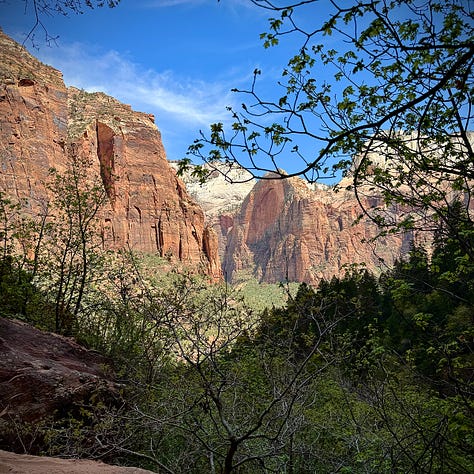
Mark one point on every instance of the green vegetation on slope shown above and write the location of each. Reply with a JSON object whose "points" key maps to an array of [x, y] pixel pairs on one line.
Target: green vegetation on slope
{"points": [[359, 375]]}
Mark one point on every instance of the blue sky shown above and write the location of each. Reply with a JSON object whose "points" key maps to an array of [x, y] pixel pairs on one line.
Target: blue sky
{"points": [[177, 59]]}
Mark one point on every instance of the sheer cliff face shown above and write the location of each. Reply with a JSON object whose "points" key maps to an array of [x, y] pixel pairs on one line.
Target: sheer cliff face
{"points": [[282, 230], [287, 231], [148, 208], [279, 230]]}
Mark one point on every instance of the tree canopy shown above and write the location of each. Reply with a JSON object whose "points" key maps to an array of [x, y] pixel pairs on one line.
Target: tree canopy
{"points": [[370, 79]]}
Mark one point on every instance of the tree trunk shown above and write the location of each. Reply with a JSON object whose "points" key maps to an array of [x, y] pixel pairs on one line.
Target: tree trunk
{"points": [[228, 463]]}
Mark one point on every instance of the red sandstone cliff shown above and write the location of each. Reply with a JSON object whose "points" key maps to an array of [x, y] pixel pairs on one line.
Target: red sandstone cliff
{"points": [[286, 230], [41, 120], [282, 230]]}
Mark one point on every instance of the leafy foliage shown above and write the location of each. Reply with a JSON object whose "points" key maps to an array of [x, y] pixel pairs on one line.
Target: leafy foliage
{"points": [[380, 91], [356, 375]]}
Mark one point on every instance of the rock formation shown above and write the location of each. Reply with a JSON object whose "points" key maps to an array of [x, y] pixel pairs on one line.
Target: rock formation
{"points": [[43, 122], [220, 196], [275, 229], [23, 463], [287, 230], [42, 372], [281, 230]]}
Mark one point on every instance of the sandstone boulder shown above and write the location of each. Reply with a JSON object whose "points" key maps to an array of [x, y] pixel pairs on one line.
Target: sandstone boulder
{"points": [[42, 373], [22, 464]]}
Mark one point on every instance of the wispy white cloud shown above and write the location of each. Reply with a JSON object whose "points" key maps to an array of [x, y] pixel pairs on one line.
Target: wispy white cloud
{"points": [[182, 105], [184, 99]]}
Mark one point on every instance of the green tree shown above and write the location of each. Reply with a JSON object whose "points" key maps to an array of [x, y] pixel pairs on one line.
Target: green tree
{"points": [[453, 248], [21, 238], [381, 90], [11, 275], [223, 402], [71, 254], [401, 376], [429, 309], [341, 308]]}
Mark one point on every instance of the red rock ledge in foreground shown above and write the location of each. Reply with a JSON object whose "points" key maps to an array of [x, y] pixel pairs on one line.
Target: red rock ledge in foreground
{"points": [[21, 463]]}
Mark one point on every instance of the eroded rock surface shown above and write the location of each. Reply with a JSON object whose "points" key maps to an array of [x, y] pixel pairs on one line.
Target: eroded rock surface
{"points": [[42, 373], [42, 123], [22, 464], [220, 196], [289, 231], [276, 230]]}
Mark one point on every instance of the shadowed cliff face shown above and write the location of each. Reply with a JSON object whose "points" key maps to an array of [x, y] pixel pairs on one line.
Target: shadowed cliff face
{"points": [[42, 372], [41, 120], [105, 153], [263, 210], [287, 231]]}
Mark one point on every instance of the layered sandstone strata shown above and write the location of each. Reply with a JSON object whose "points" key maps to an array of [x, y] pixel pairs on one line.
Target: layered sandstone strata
{"points": [[287, 230], [42, 121]]}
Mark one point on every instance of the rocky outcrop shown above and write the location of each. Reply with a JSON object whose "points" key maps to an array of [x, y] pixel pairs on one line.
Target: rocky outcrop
{"points": [[220, 196], [43, 122], [42, 373], [276, 229], [22, 463], [287, 230]]}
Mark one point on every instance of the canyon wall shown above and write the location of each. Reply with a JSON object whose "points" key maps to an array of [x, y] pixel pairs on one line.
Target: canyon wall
{"points": [[275, 230], [287, 230], [43, 122]]}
